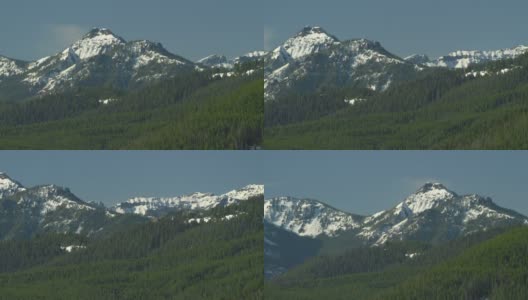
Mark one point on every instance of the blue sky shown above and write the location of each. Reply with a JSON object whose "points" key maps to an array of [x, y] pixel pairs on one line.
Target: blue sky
{"points": [[192, 28], [406, 26], [361, 182], [196, 28]]}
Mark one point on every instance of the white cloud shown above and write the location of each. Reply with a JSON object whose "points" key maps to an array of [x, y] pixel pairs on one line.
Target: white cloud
{"points": [[65, 34], [268, 38], [56, 37]]}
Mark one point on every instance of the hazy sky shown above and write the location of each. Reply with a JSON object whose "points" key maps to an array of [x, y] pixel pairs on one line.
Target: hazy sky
{"points": [[361, 182], [406, 26], [192, 28]]}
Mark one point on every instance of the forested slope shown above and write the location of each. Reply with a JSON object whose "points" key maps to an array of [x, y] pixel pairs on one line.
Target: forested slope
{"points": [[170, 258], [490, 265], [190, 111], [445, 109]]}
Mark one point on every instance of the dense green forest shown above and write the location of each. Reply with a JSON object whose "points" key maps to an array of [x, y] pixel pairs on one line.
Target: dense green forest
{"points": [[488, 265], [443, 109], [167, 258], [190, 111]]}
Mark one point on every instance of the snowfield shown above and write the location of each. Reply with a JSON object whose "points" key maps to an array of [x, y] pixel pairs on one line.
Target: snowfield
{"points": [[196, 201], [408, 218]]}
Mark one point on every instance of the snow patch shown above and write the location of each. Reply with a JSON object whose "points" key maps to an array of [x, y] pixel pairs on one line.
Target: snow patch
{"points": [[412, 255], [72, 248], [354, 101], [107, 101]]}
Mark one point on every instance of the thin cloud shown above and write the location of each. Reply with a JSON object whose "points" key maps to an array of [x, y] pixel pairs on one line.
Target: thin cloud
{"points": [[268, 38], [60, 36]]}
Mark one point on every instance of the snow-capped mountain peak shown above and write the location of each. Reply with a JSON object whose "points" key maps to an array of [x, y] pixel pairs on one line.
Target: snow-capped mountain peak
{"points": [[156, 206], [314, 31], [462, 59], [426, 197], [314, 56], [46, 208], [246, 192], [101, 57], [221, 61], [96, 42], [308, 41], [432, 212], [431, 186], [9, 67], [9, 186], [51, 198], [432, 209], [97, 32], [307, 217]]}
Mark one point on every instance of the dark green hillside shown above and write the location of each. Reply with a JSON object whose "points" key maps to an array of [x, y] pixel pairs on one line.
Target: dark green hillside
{"points": [[495, 269], [490, 265], [164, 259], [443, 110], [191, 111]]}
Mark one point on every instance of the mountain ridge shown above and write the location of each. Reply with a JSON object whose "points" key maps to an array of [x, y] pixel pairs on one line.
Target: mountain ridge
{"points": [[470, 211], [432, 214], [99, 58], [153, 206], [25, 212], [313, 58]]}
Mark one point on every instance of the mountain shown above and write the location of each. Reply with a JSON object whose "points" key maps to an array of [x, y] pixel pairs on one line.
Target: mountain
{"points": [[10, 67], [355, 94], [417, 59], [220, 61], [217, 61], [26, 212], [462, 59], [155, 207], [99, 58], [445, 109], [8, 186], [103, 92], [314, 58], [306, 217], [166, 258], [432, 213]]}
